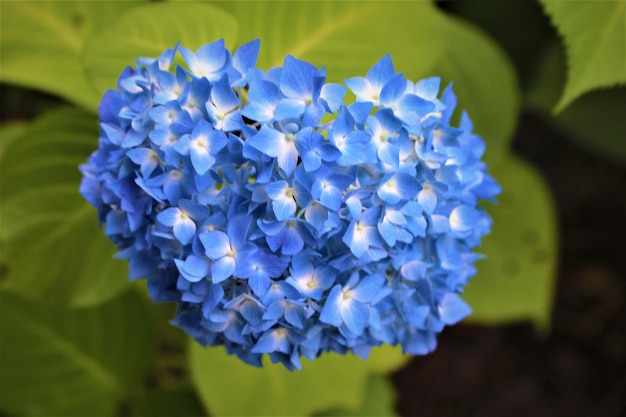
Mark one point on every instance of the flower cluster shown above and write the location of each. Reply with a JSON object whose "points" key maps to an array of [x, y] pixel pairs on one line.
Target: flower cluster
{"points": [[282, 220]]}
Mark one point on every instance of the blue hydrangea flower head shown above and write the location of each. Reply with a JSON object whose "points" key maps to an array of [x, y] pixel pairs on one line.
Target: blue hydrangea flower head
{"points": [[282, 220]]}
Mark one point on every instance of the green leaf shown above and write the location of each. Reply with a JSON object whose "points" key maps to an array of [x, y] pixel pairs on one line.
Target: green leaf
{"points": [[54, 249], [379, 400], [594, 35], [72, 363], [167, 403], [148, 31], [42, 44], [517, 279], [228, 386], [8, 133], [349, 37], [595, 120]]}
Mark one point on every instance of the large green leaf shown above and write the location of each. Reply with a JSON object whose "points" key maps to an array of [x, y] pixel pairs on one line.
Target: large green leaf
{"points": [[167, 403], [149, 30], [54, 249], [8, 133], [349, 37], [72, 363], [379, 400], [227, 386], [517, 279], [594, 35], [595, 120], [42, 44]]}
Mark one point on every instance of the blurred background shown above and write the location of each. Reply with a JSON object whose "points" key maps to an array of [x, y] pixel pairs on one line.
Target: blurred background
{"points": [[569, 360]]}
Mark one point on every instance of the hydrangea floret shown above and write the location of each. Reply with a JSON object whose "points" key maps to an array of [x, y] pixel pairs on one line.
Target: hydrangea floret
{"points": [[281, 219]]}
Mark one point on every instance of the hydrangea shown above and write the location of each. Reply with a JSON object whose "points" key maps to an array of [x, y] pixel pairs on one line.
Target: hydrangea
{"points": [[281, 219]]}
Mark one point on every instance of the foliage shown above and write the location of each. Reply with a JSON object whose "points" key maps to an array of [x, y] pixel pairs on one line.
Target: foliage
{"points": [[78, 340], [595, 40]]}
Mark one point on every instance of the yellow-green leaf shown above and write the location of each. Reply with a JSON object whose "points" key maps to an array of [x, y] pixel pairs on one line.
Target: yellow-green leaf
{"points": [[595, 40], [72, 363], [149, 30], [516, 281], [228, 386], [42, 44], [52, 245]]}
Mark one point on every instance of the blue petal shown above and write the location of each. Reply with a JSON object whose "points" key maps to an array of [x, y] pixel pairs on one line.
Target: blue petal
{"points": [[296, 80], [368, 288], [184, 230], [267, 141], [388, 231], [355, 315], [169, 216], [259, 283], [222, 269], [428, 88], [330, 313], [201, 159], [333, 94], [359, 86], [414, 270], [463, 218], [289, 109], [453, 309], [296, 316], [393, 90], [398, 187], [195, 266], [246, 55], [381, 72], [427, 199], [216, 244]]}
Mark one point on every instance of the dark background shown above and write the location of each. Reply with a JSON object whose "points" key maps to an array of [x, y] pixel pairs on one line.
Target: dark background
{"points": [[578, 368]]}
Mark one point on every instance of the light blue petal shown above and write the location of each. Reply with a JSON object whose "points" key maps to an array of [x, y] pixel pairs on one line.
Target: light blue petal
{"points": [[288, 108], [355, 207], [463, 218], [222, 269], [169, 216], [258, 112], [284, 208], [316, 215], [414, 270], [330, 313], [259, 282], [355, 315], [196, 267], [427, 199], [216, 244], [388, 231], [296, 79], [288, 157], [201, 159], [453, 309], [359, 86], [369, 287], [296, 316], [393, 90], [292, 242], [428, 88], [381, 72], [246, 55], [333, 94], [184, 230], [267, 141]]}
